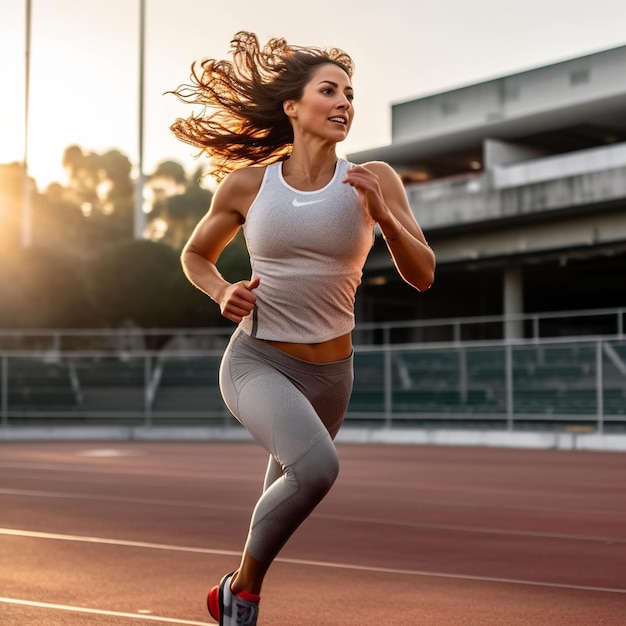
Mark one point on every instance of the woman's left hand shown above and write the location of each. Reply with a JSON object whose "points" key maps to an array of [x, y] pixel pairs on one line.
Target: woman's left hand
{"points": [[383, 196], [369, 191]]}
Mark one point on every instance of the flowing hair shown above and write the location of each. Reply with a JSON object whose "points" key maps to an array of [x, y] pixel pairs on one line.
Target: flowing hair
{"points": [[242, 121]]}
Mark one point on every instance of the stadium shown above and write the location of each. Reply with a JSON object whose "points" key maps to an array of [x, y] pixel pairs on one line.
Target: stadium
{"points": [[519, 184], [126, 483]]}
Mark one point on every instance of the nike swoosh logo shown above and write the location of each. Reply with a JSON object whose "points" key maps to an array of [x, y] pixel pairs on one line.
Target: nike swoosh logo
{"points": [[298, 203]]}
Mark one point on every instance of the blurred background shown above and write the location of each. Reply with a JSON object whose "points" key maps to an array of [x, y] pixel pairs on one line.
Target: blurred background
{"points": [[507, 122]]}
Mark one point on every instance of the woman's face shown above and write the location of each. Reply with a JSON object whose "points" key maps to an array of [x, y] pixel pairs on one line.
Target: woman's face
{"points": [[325, 108]]}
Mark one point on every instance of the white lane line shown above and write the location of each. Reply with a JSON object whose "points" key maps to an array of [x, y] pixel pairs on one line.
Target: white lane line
{"points": [[340, 518], [475, 529], [31, 493], [80, 609], [115, 542], [108, 452], [114, 470], [326, 564]]}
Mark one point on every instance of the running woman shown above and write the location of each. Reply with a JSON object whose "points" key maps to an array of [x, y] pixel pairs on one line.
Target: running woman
{"points": [[270, 121]]}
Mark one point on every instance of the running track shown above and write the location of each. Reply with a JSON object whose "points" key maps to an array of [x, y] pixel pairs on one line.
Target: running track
{"points": [[134, 533]]}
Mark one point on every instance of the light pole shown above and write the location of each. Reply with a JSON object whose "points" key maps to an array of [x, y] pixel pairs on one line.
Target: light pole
{"points": [[140, 216], [27, 198]]}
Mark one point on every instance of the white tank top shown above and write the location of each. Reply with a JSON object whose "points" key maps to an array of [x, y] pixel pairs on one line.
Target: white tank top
{"points": [[308, 248]]}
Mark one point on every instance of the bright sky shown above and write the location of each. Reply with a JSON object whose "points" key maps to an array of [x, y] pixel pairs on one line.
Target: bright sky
{"points": [[84, 60]]}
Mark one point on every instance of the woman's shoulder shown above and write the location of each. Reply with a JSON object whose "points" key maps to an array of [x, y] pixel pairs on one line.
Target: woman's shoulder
{"points": [[239, 188], [245, 177], [390, 181], [387, 176], [242, 182], [380, 168]]}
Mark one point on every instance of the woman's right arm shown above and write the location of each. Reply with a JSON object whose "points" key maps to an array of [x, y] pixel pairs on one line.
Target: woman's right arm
{"points": [[212, 234]]}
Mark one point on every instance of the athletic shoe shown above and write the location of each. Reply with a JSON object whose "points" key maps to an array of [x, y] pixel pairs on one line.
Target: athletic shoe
{"points": [[227, 609], [215, 599]]}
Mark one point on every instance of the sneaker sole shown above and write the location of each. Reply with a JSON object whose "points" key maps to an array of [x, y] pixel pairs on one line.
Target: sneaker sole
{"points": [[220, 595]]}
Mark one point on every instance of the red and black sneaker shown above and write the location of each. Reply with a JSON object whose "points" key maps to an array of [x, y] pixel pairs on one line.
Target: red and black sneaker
{"points": [[215, 599], [228, 609]]}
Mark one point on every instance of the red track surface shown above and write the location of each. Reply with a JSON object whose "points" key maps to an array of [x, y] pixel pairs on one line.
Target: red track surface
{"points": [[124, 534]]}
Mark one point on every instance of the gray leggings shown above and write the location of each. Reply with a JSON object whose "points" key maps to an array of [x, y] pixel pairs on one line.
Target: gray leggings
{"points": [[294, 409]]}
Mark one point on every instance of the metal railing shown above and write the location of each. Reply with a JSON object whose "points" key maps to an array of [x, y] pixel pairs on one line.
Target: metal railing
{"points": [[515, 384], [610, 322], [569, 383]]}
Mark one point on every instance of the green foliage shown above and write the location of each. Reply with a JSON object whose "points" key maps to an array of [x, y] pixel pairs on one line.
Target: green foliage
{"points": [[84, 268], [133, 282], [95, 209], [40, 288], [179, 203], [141, 283], [172, 170]]}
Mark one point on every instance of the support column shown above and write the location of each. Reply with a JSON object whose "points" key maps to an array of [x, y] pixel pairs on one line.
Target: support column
{"points": [[513, 302]]}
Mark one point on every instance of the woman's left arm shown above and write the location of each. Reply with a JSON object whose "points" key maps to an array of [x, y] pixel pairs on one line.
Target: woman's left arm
{"points": [[383, 196]]}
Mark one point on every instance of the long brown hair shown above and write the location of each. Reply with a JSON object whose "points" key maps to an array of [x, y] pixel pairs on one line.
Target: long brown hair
{"points": [[242, 121]]}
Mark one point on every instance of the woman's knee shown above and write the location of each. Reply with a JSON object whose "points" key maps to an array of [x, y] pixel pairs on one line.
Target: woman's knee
{"points": [[317, 471]]}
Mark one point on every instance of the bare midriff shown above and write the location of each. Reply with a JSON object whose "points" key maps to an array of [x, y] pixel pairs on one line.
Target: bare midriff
{"points": [[335, 349]]}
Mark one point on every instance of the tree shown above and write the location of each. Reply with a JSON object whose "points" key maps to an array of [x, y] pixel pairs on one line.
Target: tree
{"points": [[42, 288], [141, 283], [99, 200], [178, 203], [84, 269]]}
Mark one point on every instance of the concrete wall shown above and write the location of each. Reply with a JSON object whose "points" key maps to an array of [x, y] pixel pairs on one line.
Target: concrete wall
{"points": [[507, 173], [489, 197], [585, 84]]}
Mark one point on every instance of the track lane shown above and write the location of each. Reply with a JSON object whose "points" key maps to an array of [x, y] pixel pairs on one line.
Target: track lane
{"points": [[441, 535]]}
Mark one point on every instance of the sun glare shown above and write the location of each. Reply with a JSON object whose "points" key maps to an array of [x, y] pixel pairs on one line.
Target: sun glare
{"points": [[12, 82]]}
